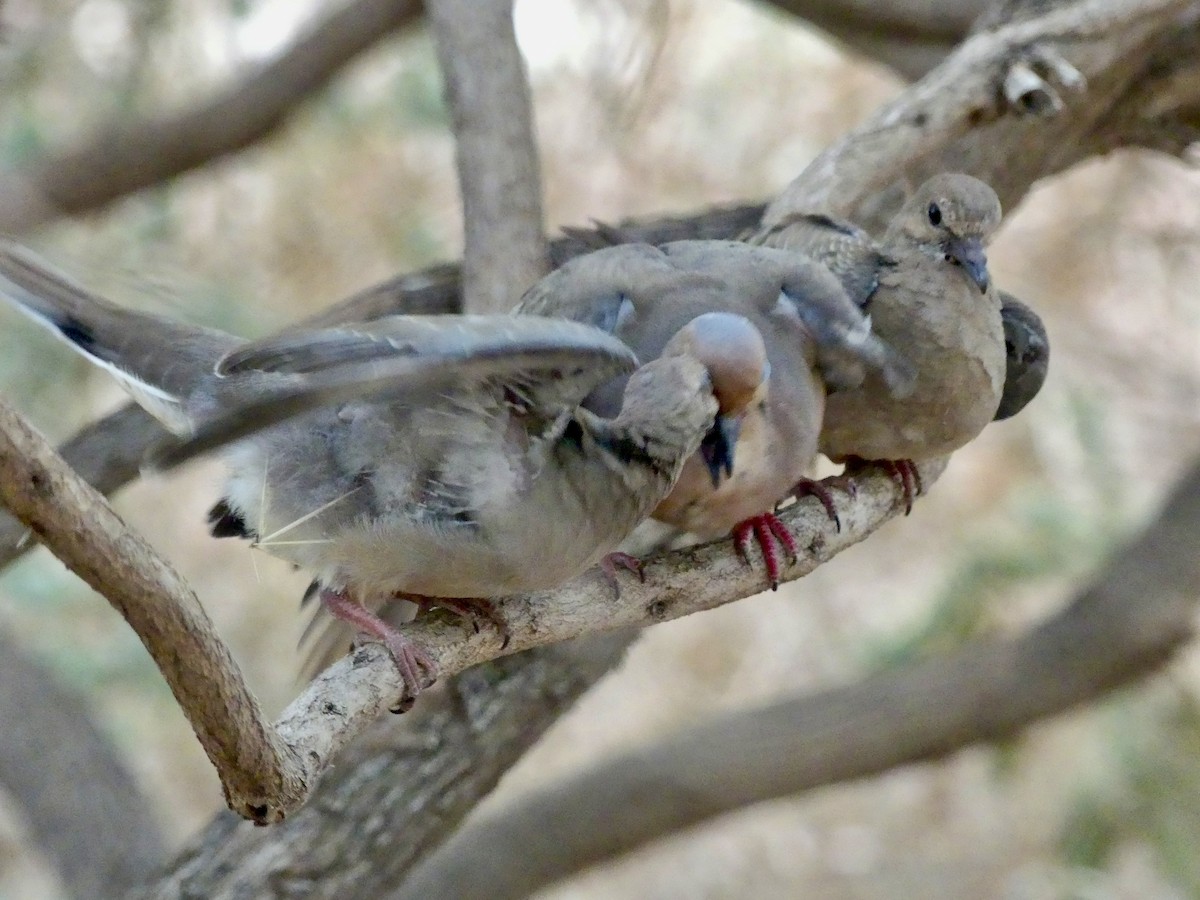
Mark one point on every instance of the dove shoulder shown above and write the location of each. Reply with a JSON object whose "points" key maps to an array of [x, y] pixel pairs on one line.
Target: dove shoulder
{"points": [[855, 258]]}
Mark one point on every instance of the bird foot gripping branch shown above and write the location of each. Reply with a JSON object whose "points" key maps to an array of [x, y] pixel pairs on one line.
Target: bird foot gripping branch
{"points": [[768, 531]]}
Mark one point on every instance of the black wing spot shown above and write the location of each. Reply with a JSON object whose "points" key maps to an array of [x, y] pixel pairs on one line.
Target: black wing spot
{"points": [[78, 334], [574, 434], [224, 522], [310, 593]]}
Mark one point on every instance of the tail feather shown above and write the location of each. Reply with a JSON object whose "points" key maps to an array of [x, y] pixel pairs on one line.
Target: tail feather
{"points": [[161, 363]]}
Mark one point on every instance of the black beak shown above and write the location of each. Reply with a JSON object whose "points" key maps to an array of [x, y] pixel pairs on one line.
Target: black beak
{"points": [[968, 253], [718, 446]]}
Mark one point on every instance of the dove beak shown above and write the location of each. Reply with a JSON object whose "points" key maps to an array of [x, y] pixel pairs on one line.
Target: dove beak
{"points": [[718, 446], [969, 253]]}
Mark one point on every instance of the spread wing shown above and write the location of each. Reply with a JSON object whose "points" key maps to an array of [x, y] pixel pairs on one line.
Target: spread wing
{"points": [[166, 366], [543, 364]]}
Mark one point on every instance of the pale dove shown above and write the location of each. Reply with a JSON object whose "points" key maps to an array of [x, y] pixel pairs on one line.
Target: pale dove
{"points": [[484, 480], [927, 290], [813, 333]]}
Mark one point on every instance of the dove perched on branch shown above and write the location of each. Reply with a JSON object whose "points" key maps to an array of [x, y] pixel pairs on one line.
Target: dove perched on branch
{"points": [[813, 333], [927, 289], [443, 459]]}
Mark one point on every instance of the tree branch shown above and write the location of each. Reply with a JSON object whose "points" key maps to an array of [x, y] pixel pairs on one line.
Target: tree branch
{"points": [[488, 95], [106, 454], [1139, 609], [958, 118], [139, 154], [427, 769], [81, 529]]}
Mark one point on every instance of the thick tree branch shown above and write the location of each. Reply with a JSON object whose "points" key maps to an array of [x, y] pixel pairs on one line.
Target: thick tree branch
{"points": [[498, 174], [80, 528], [958, 118], [106, 454], [139, 154], [427, 770], [1139, 610], [910, 36]]}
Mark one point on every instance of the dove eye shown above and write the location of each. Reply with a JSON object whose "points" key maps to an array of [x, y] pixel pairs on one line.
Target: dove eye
{"points": [[935, 214]]}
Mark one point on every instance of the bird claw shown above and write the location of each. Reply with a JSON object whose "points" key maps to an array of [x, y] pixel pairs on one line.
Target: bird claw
{"points": [[472, 610], [810, 487], [767, 530], [612, 561], [409, 658], [902, 471]]}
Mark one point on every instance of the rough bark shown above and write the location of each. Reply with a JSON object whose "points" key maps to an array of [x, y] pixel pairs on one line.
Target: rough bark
{"points": [[416, 777], [259, 773]]}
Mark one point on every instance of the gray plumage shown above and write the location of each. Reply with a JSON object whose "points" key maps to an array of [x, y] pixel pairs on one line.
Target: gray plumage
{"points": [[926, 286], [811, 330], [466, 470]]}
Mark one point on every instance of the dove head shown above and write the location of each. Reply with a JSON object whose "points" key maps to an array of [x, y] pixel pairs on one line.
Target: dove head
{"points": [[954, 216], [1027, 352], [732, 351]]}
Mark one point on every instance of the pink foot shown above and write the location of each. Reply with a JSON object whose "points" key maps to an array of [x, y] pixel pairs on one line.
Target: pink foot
{"points": [[767, 530], [902, 471], [809, 487], [410, 659], [472, 609], [613, 561]]}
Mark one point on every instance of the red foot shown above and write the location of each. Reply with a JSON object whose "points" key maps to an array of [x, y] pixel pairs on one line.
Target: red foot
{"points": [[410, 659], [902, 471], [473, 609], [767, 530], [809, 487], [612, 561]]}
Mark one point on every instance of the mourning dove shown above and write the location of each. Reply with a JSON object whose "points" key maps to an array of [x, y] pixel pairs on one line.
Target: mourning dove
{"points": [[485, 480], [1027, 356], [927, 290], [812, 330]]}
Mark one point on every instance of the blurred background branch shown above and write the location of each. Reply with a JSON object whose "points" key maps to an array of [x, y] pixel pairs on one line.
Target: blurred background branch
{"points": [[504, 249], [71, 785], [134, 155]]}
